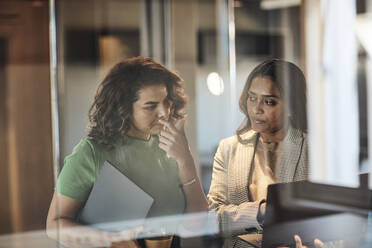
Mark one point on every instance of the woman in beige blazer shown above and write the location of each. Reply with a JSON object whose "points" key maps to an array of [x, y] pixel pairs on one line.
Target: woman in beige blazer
{"points": [[271, 147]]}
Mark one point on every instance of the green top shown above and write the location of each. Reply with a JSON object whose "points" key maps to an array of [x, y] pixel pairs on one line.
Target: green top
{"points": [[141, 161]]}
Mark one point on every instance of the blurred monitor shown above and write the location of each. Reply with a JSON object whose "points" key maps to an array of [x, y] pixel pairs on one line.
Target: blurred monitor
{"points": [[329, 213]]}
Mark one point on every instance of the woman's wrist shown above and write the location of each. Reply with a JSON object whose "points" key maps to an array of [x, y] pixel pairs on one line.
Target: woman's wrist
{"points": [[186, 160], [187, 176], [187, 183]]}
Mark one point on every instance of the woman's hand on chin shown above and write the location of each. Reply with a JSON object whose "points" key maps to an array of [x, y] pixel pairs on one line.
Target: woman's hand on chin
{"points": [[173, 141]]}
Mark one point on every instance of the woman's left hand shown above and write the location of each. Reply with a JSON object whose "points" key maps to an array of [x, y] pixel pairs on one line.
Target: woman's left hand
{"points": [[317, 242], [173, 141]]}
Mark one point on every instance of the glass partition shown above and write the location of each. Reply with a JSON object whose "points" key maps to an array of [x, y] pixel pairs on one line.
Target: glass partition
{"points": [[258, 34], [54, 56], [92, 36]]}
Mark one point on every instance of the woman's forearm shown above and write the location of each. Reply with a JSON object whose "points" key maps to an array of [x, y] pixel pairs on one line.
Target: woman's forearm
{"points": [[235, 219], [173, 141], [195, 197], [72, 234]]}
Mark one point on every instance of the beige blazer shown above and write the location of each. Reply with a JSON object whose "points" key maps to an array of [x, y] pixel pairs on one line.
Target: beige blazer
{"points": [[228, 194]]}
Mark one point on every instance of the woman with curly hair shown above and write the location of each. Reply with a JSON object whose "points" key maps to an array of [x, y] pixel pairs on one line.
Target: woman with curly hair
{"points": [[133, 125]]}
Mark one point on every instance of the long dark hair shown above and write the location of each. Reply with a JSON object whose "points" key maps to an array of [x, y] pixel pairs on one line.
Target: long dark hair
{"points": [[110, 115], [291, 83]]}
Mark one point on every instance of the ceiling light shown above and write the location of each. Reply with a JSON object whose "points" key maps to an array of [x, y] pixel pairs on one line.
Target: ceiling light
{"points": [[215, 83]]}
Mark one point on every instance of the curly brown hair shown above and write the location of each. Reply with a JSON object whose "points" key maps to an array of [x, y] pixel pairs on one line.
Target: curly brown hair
{"points": [[110, 115], [290, 81]]}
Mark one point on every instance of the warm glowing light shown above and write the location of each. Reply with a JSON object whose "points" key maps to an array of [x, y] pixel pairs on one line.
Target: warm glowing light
{"points": [[215, 83]]}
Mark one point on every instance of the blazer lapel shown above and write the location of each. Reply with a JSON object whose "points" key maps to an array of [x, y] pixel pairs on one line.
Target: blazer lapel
{"points": [[291, 152], [243, 160]]}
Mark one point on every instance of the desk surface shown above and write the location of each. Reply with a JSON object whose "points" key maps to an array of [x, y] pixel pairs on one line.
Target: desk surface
{"points": [[254, 239]]}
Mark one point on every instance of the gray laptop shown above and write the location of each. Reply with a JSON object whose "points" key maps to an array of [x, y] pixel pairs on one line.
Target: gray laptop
{"points": [[115, 202]]}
